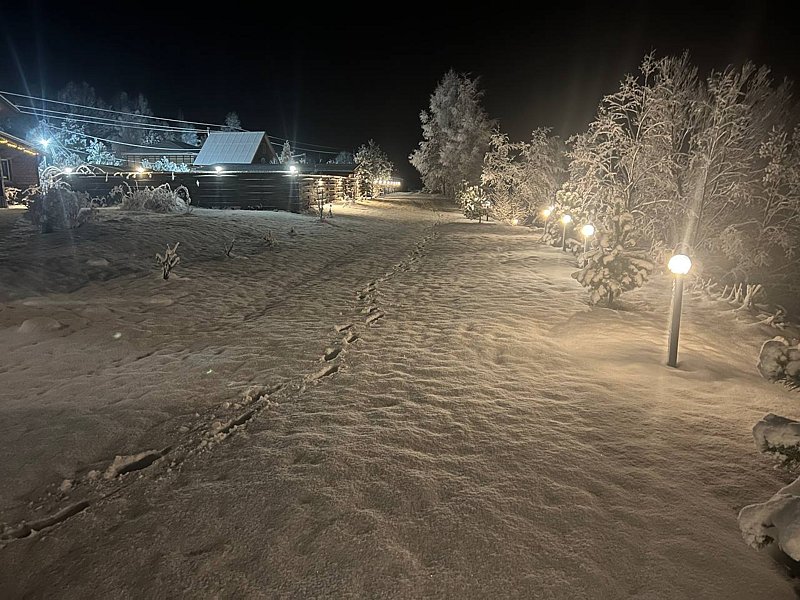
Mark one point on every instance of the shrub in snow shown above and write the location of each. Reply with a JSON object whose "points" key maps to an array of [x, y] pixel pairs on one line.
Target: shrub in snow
{"points": [[59, 208], [474, 202], [776, 520], [165, 165], [779, 436], [269, 239], [169, 260], [161, 199], [615, 266], [779, 360]]}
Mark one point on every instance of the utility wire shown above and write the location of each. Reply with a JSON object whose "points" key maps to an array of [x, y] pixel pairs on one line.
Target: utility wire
{"points": [[107, 110], [114, 124], [127, 114]]}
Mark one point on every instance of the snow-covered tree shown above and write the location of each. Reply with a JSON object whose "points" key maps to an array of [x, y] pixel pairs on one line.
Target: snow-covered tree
{"points": [[519, 178], [99, 154], [286, 153], [232, 122], [372, 164], [343, 158], [474, 202], [615, 265], [455, 135]]}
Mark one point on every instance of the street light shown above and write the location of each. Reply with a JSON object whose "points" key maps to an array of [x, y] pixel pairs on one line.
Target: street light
{"points": [[68, 170], [565, 220], [679, 265], [44, 143], [293, 169], [546, 214], [587, 231], [218, 169]]}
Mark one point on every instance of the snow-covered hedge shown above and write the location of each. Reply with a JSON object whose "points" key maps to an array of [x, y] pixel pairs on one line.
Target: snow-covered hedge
{"points": [[776, 520], [59, 208], [779, 360], [615, 266], [161, 199]]}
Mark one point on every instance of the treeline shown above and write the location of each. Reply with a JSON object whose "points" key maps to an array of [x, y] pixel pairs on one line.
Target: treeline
{"points": [[706, 165], [85, 128]]}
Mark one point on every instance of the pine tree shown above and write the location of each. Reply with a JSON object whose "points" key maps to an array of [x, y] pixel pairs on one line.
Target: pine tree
{"points": [[455, 135], [286, 153], [615, 266], [232, 122]]}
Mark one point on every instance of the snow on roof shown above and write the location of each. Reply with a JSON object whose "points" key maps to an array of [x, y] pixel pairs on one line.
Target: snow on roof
{"points": [[230, 147]]}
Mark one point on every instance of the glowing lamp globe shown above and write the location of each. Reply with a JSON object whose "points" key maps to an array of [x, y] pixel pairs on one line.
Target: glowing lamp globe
{"points": [[45, 143], [68, 170], [140, 169], [566, 219], [679, 264], [218, 169], [587, 230], [293, 170], [547, 212]]}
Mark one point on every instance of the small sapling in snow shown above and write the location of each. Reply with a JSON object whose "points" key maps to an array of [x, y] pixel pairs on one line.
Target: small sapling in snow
{"points": [[169, 260], [229, 247]]}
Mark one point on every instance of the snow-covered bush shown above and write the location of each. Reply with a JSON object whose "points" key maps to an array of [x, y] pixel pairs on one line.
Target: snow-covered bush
{"points": [[779, 360], [59, 208], [473, 202], [165, 165], [161, 199], [778, 436], [615, 266], [776, 520]]}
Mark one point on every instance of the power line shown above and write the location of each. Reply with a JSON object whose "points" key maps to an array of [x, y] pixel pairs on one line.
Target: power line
{"points": [[300, 145], [117, 124], [107, 110], [98, 120]]}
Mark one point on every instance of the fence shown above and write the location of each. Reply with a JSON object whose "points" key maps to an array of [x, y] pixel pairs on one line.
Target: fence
{"points": [[231, 189]]}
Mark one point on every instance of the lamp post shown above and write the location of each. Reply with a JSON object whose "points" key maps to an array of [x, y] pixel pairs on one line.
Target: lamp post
{"points": [[546, 214], [587, 231], [565, 220], [679, 265]]}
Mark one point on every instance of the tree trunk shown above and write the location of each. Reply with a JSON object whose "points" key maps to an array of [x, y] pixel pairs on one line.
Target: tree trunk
{"points": [[3, 201]]}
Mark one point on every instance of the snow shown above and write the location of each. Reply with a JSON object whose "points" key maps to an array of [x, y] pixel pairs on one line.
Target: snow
{"points": [[777, 520], [491, 435], [773, 432]]}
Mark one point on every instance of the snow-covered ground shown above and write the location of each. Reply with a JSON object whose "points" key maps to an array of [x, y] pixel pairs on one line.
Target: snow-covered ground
{"points": [[488, 434]]}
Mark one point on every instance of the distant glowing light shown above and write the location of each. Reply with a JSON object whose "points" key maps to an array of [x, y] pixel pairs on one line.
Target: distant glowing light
{"points": [[680, 264], [44, 142], [565, 219], [293, 169], [515, 221], [218, 169], [68, 170], [587, 230], [547, 212], [140, 169]]}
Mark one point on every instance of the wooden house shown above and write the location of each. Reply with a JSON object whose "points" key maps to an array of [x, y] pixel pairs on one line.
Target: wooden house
{"points": [[19, 160]]}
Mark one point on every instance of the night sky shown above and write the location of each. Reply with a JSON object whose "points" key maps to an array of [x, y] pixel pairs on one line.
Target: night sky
{"points": [[340, 75]]}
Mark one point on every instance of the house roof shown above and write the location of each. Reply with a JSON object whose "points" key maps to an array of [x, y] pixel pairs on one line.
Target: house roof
{"points": [[7, 105], [230, 147]]}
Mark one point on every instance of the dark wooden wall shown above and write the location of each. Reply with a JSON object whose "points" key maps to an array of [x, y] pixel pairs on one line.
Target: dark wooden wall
{"points": [[245, 190], [24, 167]]}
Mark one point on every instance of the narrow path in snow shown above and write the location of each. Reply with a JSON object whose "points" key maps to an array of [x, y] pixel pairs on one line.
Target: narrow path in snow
{"points": [[489, 435]]}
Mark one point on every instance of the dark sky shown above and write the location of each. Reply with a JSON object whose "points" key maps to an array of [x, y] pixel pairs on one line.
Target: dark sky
{"points": [[340, 75]]}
